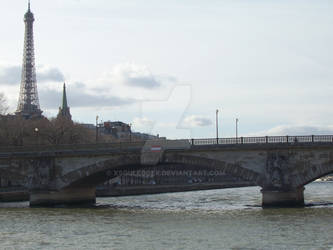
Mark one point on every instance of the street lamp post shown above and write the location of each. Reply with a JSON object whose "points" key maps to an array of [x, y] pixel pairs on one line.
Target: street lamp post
{"points": [[217, 126], [96, 128], [237, 120], [37, 135]]}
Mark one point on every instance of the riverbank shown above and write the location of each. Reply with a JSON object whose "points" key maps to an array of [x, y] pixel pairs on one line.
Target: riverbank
{"points": [[14, 196], [159, 189], [326, 178]]}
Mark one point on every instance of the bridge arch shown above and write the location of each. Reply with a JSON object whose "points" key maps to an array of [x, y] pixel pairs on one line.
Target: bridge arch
{"points": [[97, 173], [235, 170], [312, 173]]}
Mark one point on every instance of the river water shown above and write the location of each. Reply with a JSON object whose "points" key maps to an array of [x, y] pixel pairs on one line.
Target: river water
{"points": [[213, 219]]}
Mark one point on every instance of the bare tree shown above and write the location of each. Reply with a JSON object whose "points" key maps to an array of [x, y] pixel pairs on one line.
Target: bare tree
{"points": [[17, 131], [61, 130], [3, 104]]}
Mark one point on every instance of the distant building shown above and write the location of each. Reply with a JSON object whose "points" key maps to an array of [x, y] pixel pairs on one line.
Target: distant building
{"points": [[118, 129], [64, 111], [121, 130], [144, 136]]}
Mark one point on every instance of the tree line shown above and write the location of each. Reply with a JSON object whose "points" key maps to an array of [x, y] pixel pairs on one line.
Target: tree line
{"points": [[17, 131]]}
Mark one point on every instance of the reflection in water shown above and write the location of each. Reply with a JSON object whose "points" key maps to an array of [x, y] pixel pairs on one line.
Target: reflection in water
{"points": [[214, 219]]}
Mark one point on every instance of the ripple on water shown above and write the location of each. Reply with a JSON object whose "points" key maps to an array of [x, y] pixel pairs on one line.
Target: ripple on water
{"points": [[213, 219]]}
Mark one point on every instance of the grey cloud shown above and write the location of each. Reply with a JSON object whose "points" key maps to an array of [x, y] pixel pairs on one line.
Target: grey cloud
{"points": [[134, 75], [87, 100], [148, 81], [51, 74], [142, 81], [11, 75], [78, 98]]}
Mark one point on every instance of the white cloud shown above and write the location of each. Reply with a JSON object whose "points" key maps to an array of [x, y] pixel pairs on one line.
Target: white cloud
{"points": [[143, 122], [106, 92], [134, 75], [130, 80], [164, 114], [196, 121], [296, 130]]}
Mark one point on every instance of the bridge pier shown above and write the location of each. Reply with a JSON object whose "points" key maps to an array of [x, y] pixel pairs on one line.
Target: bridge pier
{"points": [[68, 196], [281, 198]]}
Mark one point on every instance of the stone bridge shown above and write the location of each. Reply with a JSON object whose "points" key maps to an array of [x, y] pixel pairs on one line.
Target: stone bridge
{"points": [[69, 174]]}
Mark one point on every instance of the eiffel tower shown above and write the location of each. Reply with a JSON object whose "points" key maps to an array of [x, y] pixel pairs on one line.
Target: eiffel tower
{"points": [[28, 104]]}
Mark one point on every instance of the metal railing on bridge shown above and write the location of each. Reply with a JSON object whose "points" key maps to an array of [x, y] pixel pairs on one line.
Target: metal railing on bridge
{"points": [[263, 140], [135, 145]]}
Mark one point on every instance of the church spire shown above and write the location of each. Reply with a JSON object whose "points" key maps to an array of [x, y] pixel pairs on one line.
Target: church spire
{"points": [[64, 109], [64, 97], [28, 5]]}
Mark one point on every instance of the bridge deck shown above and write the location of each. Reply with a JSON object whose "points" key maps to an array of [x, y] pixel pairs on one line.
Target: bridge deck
{"points": [[267, 142]]}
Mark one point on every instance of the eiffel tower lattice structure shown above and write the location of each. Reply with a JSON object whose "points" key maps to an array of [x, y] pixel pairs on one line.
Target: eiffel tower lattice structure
{"points": [[28, 104]]}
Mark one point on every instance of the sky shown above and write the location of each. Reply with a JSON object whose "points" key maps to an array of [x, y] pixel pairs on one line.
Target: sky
{"points": [[166, 66]]}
